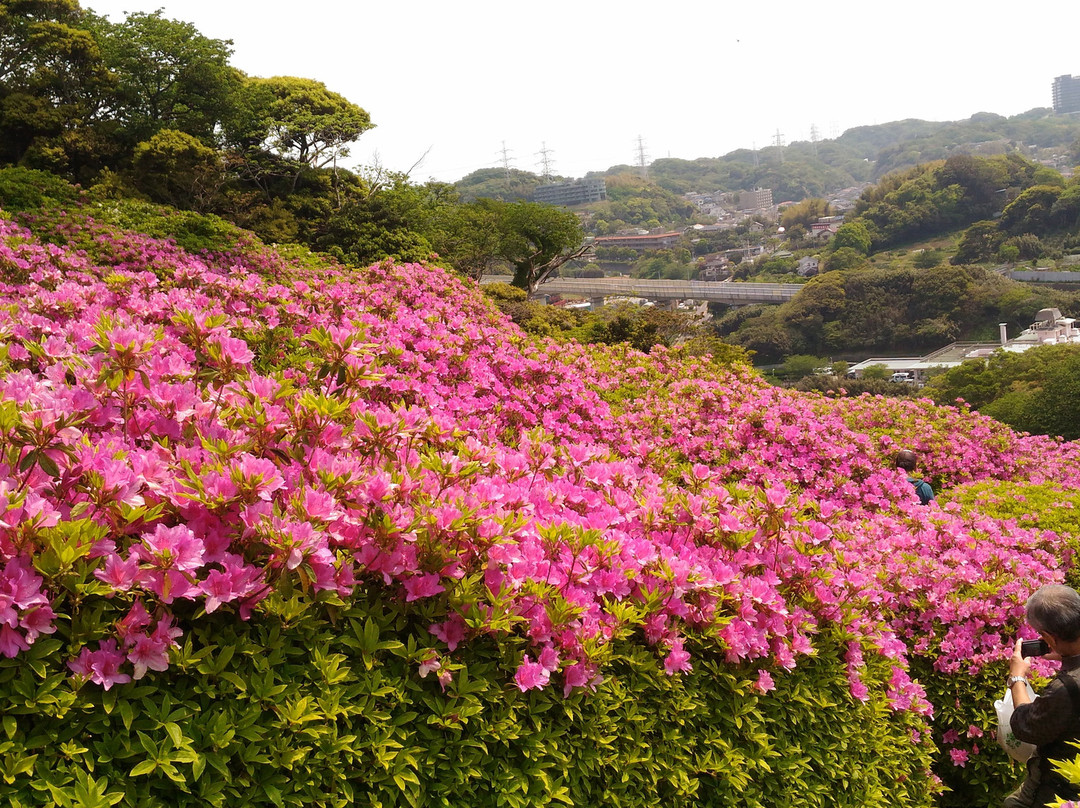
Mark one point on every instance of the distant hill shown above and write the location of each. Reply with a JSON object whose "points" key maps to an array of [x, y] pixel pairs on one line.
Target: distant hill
{"points": [[862, 154]]}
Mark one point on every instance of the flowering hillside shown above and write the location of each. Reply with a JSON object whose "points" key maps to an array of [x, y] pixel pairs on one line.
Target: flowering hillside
{"points": [[184, 436]]}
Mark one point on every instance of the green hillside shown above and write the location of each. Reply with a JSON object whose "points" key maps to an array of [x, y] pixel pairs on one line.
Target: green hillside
{"points": [[861, 154]]}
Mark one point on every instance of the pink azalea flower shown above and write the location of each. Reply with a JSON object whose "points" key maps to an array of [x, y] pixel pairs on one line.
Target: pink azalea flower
{"points": [[171, 548], [147, 653], [451, 631], [531, 675], [422, 586], [12, 642], [136, 620], [121, 575], [677, 660], [102, 667], [37, 621], [232, 351], [259, 475], [764, 681], [776, 496], [433, 664], [233, 582]]}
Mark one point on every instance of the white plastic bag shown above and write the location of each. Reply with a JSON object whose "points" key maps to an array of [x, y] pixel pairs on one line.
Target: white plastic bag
{"points": [[1013, 746]]}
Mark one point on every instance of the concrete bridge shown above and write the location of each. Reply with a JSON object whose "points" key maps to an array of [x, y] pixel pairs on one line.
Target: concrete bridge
{"points": [[704, 291]]}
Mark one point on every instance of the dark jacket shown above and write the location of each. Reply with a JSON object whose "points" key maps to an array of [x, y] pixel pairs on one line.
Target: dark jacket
{"points": [[923, 489], [1051, 722]]}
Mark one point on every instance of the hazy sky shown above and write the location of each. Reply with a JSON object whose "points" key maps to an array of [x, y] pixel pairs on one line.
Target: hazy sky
{"points": [[587, 79]]}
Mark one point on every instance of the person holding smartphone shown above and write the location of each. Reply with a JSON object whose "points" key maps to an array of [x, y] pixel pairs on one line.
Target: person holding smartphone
{"points": [[1052, 721]]}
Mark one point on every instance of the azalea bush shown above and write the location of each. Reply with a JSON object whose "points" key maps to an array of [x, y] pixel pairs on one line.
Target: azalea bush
{"points": [[231, 476]]}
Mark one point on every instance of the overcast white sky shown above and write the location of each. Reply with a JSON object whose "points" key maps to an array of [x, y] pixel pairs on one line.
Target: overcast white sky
{"points": [[586, 78]]}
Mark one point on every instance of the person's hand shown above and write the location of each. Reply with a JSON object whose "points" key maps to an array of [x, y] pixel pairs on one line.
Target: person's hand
{"points": [[1019, 665]]}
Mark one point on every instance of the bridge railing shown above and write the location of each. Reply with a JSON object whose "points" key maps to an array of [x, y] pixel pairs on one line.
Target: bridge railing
{"points": [[670, 289]]}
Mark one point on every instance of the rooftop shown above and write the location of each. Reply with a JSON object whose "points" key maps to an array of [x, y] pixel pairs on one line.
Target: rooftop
{"points": [[1049, 328]]}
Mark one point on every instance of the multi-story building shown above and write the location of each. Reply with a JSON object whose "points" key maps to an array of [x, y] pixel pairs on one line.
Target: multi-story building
{"points": [[756, 199], [646, 241], [1067, 94], [575, 192]]}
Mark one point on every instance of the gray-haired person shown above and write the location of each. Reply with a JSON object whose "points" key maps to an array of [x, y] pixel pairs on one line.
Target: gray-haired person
{"points": [[1052, 721]]}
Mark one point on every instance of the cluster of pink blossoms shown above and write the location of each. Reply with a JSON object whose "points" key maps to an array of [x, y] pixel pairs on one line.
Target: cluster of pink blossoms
{"points": [[215, 425], [25, 612]]}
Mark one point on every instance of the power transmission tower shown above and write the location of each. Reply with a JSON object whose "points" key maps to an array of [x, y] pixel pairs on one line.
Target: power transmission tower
{"points": [[545, 160], [779, 141], [814, 138], [753, 148], [643, 167], [505, 159]]}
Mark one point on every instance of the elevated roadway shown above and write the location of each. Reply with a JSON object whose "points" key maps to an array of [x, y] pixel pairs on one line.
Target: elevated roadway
{"points": [[704, 291]]}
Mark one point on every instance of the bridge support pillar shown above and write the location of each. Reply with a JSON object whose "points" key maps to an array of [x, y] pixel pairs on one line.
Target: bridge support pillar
{"points": [[596, 303], [671, 305]]}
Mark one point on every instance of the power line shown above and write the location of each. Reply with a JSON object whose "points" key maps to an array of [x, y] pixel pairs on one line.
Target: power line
{"points": [[545, 160], [505, 159], [643, 167]]}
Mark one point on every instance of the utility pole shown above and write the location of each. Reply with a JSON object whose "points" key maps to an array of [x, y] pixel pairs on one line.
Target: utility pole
{"points": [[505, 159], [643, 168], [545, 161]]}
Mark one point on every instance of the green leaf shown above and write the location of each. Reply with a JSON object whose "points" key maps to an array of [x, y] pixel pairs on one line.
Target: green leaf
{"points": [[127, 713], [48, 465], [175, 734], [148, 745], [145, 767]]}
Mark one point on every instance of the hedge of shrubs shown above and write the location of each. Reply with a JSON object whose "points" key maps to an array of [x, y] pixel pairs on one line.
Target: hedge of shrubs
{"points": [[275, 531], [325, 707]]}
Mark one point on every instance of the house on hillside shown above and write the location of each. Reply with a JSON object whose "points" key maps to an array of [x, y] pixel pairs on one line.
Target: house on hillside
{"points": [[809, 266], [826, 226], [714, 267]]}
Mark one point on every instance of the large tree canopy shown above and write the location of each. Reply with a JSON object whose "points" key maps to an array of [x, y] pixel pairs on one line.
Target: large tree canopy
{"points": [[535, 239], [169, 76], [298, 118], [51, 78]]}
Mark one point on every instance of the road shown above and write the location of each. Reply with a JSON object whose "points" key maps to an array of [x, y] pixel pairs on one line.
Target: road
{"points": [[712, 292]]}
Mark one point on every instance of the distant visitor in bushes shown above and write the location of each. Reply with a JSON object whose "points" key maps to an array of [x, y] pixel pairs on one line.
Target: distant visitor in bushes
{"points": [[907, 460], [1052, 721]]}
